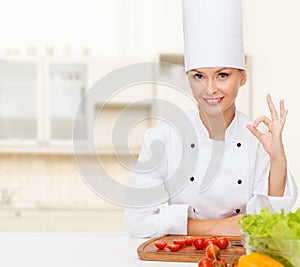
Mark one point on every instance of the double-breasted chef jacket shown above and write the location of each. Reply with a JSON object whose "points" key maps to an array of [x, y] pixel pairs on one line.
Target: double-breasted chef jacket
{"points": [[241, 185]]}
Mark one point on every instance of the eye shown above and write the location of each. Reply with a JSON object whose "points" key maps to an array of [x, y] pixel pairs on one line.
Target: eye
{"points": [[223, 75], [198, 76]]}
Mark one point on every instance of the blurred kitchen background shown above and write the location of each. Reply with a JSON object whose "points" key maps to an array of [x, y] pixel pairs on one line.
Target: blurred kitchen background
{"points": [[52, 52]]}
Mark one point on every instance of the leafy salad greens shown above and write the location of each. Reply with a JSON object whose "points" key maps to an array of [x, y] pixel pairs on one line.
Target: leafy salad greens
{"points": [[272, 232]]}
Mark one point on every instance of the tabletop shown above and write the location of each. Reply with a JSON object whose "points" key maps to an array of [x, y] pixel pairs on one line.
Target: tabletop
{"points": [[73, 250]]}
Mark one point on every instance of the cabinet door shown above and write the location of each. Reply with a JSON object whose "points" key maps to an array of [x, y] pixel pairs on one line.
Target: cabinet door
{"points": [[18, 99], [67, 82]]}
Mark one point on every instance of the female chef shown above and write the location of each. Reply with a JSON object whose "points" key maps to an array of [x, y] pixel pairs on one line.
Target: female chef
{"points": [[253, 173]]}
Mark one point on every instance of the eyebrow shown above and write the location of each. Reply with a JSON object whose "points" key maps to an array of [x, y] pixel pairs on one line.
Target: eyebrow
{"points": [[214, 71]]}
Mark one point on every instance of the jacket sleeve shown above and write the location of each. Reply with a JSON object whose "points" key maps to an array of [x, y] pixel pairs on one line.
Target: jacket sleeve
{"points": [[260, 188], [155, 220]]}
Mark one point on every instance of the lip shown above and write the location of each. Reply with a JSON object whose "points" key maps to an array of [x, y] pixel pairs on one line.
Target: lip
{"points": [[213, 100]]}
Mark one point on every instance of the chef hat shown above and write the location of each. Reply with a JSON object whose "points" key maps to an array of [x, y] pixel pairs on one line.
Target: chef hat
{"points": [[213, 33]]}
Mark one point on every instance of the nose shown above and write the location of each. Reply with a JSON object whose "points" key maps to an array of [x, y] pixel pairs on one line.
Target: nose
{"points": [[212, 87]]}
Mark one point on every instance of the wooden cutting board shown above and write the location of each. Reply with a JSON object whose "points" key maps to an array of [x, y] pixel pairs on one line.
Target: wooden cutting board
{"points": [[148, 251]]}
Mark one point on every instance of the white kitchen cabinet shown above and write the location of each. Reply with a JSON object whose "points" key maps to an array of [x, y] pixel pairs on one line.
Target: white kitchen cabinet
{"points": [[66, 82], [65, 220], [108, 138], [125, 106], [20, 82], [39, 97]]}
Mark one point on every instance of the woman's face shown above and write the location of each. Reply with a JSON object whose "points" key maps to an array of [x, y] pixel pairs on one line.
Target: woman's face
{"points": [[215, 89]]}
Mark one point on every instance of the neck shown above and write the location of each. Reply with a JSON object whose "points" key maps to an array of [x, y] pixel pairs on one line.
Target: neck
{"points": [[217, 125]]}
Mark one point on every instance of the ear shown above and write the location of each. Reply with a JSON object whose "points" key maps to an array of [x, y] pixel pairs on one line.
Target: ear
{"points": [[243, 78]]}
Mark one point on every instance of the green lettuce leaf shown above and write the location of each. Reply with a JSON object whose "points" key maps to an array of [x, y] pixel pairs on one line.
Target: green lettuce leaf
{"points": [[274, 232]]}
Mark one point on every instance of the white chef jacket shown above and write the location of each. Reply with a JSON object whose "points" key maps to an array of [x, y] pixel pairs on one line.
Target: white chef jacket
{"points": [[241, 185]]}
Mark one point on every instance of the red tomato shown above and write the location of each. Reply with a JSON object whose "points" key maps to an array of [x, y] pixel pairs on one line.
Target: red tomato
{"points": [[189, 240], [212, 252], [208, 242], [214, 237], [199, 242], [161, 244], [205, 262], [222, 242], [173, 247], [180, 242]]}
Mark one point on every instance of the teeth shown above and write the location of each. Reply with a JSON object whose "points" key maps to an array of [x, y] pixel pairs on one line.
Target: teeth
{"points": [[212, 100]]}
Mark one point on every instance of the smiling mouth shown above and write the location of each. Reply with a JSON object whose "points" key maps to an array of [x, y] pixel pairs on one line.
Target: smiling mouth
{"points": [[213, 101]]}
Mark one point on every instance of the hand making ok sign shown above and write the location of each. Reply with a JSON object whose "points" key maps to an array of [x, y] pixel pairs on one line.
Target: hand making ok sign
{"points": [[272, 139]]}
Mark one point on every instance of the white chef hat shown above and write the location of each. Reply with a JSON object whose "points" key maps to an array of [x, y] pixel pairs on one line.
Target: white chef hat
{"points": [[213, 34]]}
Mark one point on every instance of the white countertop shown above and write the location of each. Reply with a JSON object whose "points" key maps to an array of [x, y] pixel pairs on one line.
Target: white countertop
{"points": [[26, 249]]}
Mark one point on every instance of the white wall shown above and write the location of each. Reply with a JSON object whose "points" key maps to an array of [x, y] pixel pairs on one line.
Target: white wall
{"points": [[272, 41], [114, 28], [93, 23]]}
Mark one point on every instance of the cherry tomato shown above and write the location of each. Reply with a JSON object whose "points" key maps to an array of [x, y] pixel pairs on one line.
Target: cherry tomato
{"points": [[208, 242], [180, 242], [189, 240], [212, 252], [205, 262], [160, 244], [199, 242], [173, 247], [214, 237], [222, 242]]}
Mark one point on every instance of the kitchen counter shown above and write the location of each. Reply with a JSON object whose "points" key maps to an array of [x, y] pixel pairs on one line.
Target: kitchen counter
{"points": [[27, 249]]}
